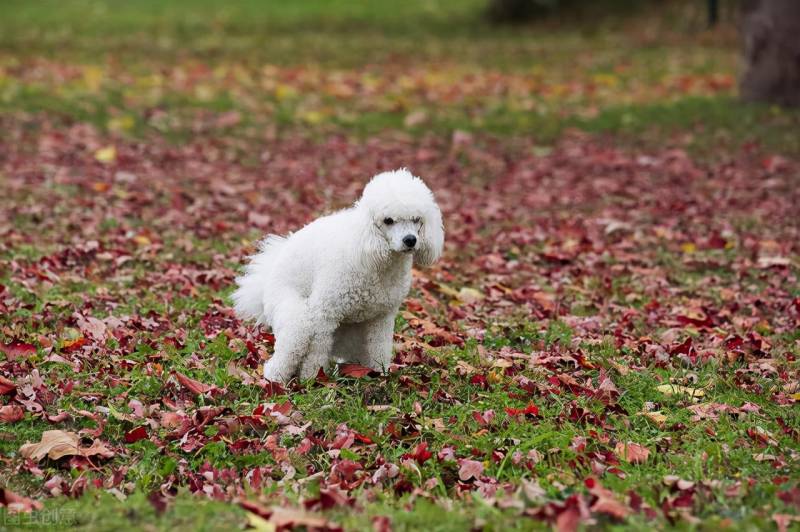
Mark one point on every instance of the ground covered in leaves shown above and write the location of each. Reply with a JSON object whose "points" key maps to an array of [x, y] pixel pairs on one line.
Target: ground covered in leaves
{"points": [[611, 337]]}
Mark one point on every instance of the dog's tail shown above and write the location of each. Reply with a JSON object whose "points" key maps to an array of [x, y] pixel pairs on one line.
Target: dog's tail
{"points": [[249, 297]]}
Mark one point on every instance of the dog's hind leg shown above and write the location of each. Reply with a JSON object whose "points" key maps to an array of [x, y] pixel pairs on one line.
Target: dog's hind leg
{"points": [[348, 344], [292, 339], [319, 353]]}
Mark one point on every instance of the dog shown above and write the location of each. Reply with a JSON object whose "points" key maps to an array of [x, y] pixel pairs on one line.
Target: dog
{"points": [[331, 291]]}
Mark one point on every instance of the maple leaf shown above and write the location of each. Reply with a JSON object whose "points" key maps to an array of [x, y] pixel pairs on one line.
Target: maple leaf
{"points": [[468, 469], [420, 453], [606, 501], [57, 444], [132, 436], [15, 350], [6, 386], [11, 413], [194, 386], [483, 418], [355, 370], [632, 452], [530, 410]]}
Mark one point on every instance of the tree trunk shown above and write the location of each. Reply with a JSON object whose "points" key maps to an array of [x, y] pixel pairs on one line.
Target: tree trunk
{"points": [[771, 34]]}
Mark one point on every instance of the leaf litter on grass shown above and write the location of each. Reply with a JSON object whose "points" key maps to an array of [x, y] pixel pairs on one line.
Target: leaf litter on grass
{"points": [[567, 304]]}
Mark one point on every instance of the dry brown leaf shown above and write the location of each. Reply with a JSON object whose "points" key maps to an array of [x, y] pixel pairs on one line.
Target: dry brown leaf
{"points": [[56, 444], [675, 389], [656, 417]]}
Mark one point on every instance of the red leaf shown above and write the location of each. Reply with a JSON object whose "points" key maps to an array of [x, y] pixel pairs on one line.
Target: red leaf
{"points": [[17, 503], [355, 370], [159, 501], [192, 385], [254, 507], [483, 418], [11, 413], [420, 453], [139, 433], [530, 410], [606, 502], [14, 350], [6, 386], [480, 380], [632, 452], [272, 388]]}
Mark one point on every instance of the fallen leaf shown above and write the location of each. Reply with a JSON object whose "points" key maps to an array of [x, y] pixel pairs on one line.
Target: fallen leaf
{"points": [[56, 444], [139, 433], [607, 502], [675, 389], [15, 350], [106, 155], [656, 417], [192, 385], [258, 523], [469, 469], [17, 503], [11, 413], [6, 386], [355, 370], [421, 453], [530, 410], [632, 452]]}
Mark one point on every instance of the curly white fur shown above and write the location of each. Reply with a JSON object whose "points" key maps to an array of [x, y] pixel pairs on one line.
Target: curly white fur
{"points": [[331, 290]]}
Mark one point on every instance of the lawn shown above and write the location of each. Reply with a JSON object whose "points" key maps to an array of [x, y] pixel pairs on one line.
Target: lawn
{"points": [[610, 340]]}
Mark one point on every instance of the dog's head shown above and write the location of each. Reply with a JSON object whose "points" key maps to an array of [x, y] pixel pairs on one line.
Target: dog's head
{"points": [[403, 217]]}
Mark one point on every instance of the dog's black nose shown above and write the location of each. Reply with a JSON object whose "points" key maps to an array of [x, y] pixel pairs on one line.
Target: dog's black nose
{"points": [[410, 241]]}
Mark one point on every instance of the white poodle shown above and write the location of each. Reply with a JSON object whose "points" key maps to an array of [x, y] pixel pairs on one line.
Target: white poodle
{"points": [[331, 290]]}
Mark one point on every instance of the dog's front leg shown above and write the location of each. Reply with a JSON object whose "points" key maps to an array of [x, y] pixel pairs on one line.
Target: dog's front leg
{"points": [[378, 339]]}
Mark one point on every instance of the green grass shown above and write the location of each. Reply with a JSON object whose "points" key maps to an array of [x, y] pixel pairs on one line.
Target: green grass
{"points": [[146, 73]]}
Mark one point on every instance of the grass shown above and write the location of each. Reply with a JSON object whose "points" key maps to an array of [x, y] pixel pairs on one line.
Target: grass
{"points": [[186, 90]]}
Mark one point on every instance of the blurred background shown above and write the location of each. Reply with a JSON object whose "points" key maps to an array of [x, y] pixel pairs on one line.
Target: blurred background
{"points": [[646, 71]]}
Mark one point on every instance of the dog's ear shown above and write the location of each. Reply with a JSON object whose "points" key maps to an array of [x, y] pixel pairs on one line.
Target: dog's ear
{"points": [[374, 246], [432, 241]]}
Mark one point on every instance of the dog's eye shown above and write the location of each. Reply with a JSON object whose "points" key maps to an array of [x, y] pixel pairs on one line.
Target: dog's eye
{"points": [[388, 221], [416, 220]]}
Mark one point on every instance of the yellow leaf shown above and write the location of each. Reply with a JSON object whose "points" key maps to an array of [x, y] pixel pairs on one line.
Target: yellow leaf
{"points": [[656, 417], [284, 92], [93, 77], [121, 123], [204, 93], [470, 295], [675, 389], [142, 240], [688, 247], [312, 117], [446, 290], [106, 155], [464, 295], [494, 377], [260, 524]]}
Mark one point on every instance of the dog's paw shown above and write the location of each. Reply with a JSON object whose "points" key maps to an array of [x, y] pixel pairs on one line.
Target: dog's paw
{"points": [[273, 373]]}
